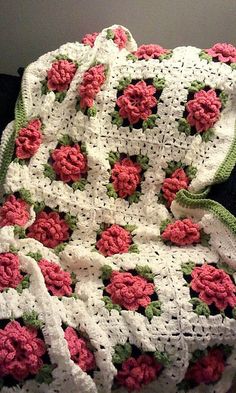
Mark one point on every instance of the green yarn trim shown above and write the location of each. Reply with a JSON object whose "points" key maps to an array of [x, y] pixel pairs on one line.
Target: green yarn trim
{"points": [[192, 201]]}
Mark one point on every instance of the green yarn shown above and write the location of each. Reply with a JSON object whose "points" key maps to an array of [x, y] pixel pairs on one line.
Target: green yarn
{"points": [[113, 158], [32, 319], [196, 86], [130, 228], [134, 249], [184, 126], [71, 221], [26, 196], [106, 272], [164, 224], [145, 272], [150, 122], [59, 248], [39, 206], [65, 140], [109, 305], [204, 56], [45, 374], [19, 232], [153, 309], [116, 119], [35, 255], [162, 358], [111, 191], [208, 135], [226, 167], [91, 112], [143, 161], [24, 284], [122, 353], [134, 198], [79, 185], [123, 83], [49, 172], [159, 83], [200, 307], [187, 267]]}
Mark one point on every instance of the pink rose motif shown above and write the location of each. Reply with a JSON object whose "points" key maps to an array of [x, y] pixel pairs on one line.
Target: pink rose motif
{"points": [[130, 292], [223, 52], [182, 232], [58, 282], [20, 351], [70, 164], [135, 373], [79, 352], [204, 110], [214, 286], [49, 229], [89, 39], [92, 81], [126, 176], [136, 102], [171, 185], [60, 75], [10, 276], [114, 240], [208, 369], [28, 140], [14, 212], [120, 37], [150, 51]]}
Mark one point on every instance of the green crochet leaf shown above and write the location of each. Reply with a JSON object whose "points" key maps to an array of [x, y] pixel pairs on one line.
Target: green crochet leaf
{"points": [[32, 319], [159, 83], [172, 167], [223, 98], [25, 283], [164, 224], [116, 119], [191, 172], [19, 161], [83, 148], [109, 305], [233, 66], [71, 221], [145, 272], [106, 272], [65, 140], [165, 56], [59, 248], [111, 191], [19, 232], [150, 122], [113, 157], [110, 34], [153, 309], [13, 249], [38, 207], [143, 161], [35, 255], [134, 198], [187, 267], [91, 112], [134, 249], [122, 353], [208, 135], [123, 83], [162, 358], [184, 126], [26, 196], [196, 86], [49, 172], [224, 266], [131, 57], [130, 228], [79, 185], [205, 238], [62, 57], [200, 307], [44, 87], [60, 96], [204, 56], [45, 374]]}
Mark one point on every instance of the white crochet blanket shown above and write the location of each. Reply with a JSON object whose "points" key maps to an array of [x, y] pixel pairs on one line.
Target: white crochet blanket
{"points": [[168, 312]]}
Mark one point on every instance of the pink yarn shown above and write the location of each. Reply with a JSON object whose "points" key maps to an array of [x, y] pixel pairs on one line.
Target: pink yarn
{"points": [[182, 232], [60, 75], [171, 185], [136, 102], [89, 39], [28, 140], [57, 281], [93, 79], [79, 351], [130, 292], [204, 110], [150, 51], [14, 212], [49, 229], [214, 286], [69, 163], [120, 37], [126, 176], [20, 351], [136, 373], [10, 275], [114, 240], [223, 52]]}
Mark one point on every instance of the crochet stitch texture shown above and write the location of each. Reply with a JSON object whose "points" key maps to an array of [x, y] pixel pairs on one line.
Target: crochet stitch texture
{"points": [[117, 273]]}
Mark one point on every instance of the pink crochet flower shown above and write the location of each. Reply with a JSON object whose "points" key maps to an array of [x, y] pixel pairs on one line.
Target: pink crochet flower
{"points": [[69, 163], [204, 110], [57, 281], [130, 292], [79, 351], [171, 185], [28, 140], [136, 373], [182, 232], [89, 39], [49, 229], [60, 75], [126, 176], [14, 212], [114, 240], [92, 81], [208, 369], [150, 51], [136, 102], [20, 351], [120, 37], [223, 52], [10, 275], [214, 286]]}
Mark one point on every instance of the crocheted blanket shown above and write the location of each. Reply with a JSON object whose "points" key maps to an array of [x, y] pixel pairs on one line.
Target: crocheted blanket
{"points": [[117, 272]]}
